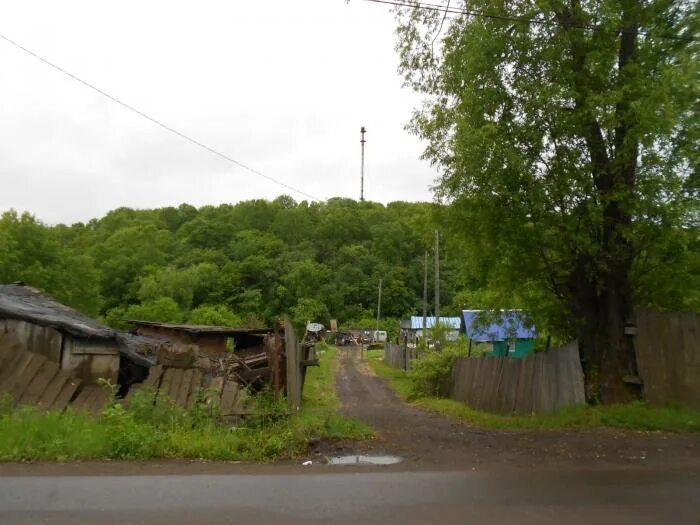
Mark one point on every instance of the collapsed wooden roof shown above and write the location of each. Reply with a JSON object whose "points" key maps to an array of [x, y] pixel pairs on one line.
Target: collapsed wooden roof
{"points": [[24, 303], [18, 301], [202, 329]]}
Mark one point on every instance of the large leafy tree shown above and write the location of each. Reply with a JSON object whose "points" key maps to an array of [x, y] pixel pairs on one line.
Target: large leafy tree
{"points": [[566, 133]]}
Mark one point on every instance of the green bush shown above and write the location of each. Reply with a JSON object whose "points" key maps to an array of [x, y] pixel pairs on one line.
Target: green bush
{"points": [[430, 375]]}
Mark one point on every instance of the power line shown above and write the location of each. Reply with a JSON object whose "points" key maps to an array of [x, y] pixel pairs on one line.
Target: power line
{"points": [[447, 9], [156, 121]]}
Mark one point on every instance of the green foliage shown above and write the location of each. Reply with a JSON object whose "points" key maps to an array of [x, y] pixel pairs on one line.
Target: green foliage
{"points": [[257, 260], [162, 309], [217, 315], [389, 324], [308, 310], [567, 152], [430, 375]]}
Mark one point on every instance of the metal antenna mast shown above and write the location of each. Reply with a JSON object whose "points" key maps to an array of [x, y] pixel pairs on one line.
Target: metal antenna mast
{"points": [[362, 167]]}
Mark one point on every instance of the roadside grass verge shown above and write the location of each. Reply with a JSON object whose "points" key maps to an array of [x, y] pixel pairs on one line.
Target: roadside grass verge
{"points": [[375, 353], [320, 416], [633, 416], [148, 430]]}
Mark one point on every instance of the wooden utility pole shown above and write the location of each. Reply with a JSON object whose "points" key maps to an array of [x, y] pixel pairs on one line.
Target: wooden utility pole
{"points": [[437, 277], [425, 294], [379, 304]]}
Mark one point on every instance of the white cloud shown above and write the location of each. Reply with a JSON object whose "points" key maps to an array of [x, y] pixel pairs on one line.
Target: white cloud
{"points": [[280, 86]]}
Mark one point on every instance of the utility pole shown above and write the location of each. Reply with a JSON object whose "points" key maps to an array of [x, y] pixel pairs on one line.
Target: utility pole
{"points": [[362, 166], [379, 303], [437, 276], [425, 294]]}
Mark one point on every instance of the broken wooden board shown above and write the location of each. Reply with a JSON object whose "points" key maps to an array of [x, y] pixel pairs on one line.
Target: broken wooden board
{"points": [[92, 399], [26, 376], [228, 397], [52, 390], [39, 384], [15, 366], [185, 385], [195, 387], [178, 356], [16, 374], [8, 352], [155, 373], [66, 394]]}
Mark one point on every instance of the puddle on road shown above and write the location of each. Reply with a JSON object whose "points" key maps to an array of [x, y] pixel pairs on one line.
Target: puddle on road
{"points": [[355, 459]]}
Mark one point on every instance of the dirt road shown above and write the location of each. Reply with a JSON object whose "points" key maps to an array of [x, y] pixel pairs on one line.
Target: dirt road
{"points": [[428, 440], [451, 473]]}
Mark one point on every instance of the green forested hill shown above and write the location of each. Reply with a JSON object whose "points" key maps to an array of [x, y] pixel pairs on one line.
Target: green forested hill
{"points": [[245, 263], [255, 261]]}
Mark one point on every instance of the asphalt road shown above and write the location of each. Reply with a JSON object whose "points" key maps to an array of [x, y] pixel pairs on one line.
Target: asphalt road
{"points": [[334, 495]]}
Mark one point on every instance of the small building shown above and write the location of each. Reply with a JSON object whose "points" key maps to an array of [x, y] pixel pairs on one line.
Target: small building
{"points": [[412, 329], [211, 340], [34, 322], [508, 331]]}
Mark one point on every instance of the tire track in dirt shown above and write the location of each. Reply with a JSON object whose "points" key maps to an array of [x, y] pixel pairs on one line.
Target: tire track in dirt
{"points": [[428, 439]]}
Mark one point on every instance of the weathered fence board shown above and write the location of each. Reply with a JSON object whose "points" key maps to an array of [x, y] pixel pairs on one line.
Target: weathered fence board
{"points": [[395, 356], [539, 383], [40, 383], [294, 370], [668, 356]]}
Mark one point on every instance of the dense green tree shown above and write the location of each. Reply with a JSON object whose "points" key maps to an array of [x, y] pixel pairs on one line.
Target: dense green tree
{"points": [[568, 150], [248, 263], [217, 315]]}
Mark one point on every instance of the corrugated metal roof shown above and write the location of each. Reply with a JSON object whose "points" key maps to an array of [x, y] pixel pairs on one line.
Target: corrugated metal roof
{"points": [[451, 322], [487, 326]]}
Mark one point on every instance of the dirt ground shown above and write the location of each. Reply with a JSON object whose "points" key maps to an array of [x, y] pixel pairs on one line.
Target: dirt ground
{"points": [[429, 440]]}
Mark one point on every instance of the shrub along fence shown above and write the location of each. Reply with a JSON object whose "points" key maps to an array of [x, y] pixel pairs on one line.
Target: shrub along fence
{"points": [[668, 356], [539, 383]]}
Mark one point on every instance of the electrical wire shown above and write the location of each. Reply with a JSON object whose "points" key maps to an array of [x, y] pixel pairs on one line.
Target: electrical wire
{"points": [[156, 121], [427, 6]]}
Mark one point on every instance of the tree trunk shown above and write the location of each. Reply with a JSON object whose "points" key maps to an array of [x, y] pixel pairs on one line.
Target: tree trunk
{"points": [[600, 284], [607, 354]]}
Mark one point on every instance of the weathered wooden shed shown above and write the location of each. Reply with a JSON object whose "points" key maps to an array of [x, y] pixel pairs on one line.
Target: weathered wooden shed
{"points": [[211, 340], [34, 322]]}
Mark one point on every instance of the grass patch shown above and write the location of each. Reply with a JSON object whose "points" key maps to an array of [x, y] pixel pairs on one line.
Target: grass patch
{"points": [[633, 416], [320, 417], [147, 430], [375, 353]]}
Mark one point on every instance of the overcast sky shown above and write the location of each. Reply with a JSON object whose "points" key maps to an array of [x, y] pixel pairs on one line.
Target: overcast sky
{"points": [[282, 86]]}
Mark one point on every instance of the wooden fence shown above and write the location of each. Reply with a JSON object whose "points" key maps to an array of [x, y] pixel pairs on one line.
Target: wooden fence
{"points": [[668, 356], [397, 356], [539, 383]]}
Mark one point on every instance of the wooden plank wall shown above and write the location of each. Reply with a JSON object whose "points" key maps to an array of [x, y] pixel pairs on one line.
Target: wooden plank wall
{"points": [[34, 379], [395, 356], [668, 356], [539, 383], [294, 369]]}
